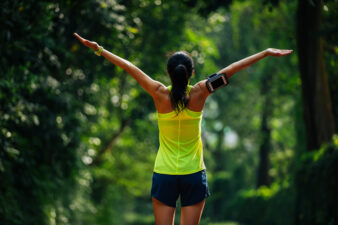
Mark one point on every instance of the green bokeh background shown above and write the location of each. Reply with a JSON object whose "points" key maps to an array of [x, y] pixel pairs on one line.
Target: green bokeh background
{"points": [[78, 136]]}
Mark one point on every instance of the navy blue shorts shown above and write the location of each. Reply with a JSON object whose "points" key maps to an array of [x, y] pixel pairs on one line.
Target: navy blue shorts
{"points": [[192, 188]]}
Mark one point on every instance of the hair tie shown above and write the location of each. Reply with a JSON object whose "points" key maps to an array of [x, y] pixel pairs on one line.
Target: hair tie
{"points": [[185, 69]]}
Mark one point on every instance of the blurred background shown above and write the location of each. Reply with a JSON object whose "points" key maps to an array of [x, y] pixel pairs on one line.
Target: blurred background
{"points": [[79, 136]]}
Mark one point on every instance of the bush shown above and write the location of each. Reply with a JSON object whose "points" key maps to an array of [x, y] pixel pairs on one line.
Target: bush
{"points": [[310, 200], [317, 184], [270, 206]]}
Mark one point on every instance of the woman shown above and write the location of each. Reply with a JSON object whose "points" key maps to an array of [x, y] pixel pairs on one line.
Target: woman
{"points": [[179, 168]]}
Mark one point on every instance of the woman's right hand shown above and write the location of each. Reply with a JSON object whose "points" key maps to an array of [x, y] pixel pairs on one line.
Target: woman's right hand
{"points": [[277, 52], [90, 44]]}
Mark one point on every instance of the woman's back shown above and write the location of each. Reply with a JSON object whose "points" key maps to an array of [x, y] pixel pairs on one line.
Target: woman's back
{"points": [[181, 149]]}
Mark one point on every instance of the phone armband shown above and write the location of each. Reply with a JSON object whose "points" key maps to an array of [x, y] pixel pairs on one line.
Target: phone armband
{"points": [[216, 81]]}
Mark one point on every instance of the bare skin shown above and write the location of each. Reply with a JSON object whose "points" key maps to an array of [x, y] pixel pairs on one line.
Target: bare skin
{"points": [[190, 215], [165, 215]]}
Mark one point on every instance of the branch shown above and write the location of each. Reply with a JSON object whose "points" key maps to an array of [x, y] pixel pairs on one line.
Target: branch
{"points": [[111, 142]]}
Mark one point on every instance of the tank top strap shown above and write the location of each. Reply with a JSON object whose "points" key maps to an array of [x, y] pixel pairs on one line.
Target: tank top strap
{"points": [[189, 88]]}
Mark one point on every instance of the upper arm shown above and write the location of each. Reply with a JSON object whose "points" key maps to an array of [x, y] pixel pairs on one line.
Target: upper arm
{"points": [[202, 89], [229, 70], [153, 87]]}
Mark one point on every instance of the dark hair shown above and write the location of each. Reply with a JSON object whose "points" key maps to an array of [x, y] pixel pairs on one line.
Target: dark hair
{"points": [[180, 67]]}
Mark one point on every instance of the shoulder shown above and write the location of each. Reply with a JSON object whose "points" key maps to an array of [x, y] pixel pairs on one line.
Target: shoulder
{"points": [[198, 95], [162, 99], [200, 89], [161, 91]]}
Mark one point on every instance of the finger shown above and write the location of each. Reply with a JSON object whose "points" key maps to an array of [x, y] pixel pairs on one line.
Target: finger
{"points": [[286, 52], [79, 37]]}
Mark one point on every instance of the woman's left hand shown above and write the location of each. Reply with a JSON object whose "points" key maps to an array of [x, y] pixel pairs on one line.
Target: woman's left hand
{"points": [[90, 44], [277, 52]]}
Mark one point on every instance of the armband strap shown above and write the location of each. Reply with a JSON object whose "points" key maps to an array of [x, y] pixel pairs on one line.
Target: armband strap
{"points": [[216, 81], [98, 52]]}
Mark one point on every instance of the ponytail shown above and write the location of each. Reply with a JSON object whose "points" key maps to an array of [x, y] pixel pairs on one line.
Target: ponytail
{"points": [[178, 95], [180, 68]]}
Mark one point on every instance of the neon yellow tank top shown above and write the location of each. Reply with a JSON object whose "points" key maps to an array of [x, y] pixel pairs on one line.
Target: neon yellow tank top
{"points": [[181, 149]]}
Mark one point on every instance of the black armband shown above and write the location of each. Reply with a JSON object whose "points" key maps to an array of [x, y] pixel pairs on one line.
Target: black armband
{"points": [[216, 81]]}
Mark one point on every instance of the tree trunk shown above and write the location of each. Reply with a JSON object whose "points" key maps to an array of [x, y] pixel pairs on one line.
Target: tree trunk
{"points": [[317, 108], [265, 140]]}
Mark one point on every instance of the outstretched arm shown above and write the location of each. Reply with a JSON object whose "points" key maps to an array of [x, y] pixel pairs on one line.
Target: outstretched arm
{"points": [[150, 85], [241, 64], [244, 63]]}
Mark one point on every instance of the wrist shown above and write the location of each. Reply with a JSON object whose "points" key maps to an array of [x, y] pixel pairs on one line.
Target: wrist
{"points": [[99, 51], [266, 52]]}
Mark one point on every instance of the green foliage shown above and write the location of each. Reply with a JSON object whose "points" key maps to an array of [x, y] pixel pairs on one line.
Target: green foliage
{"points": [[61, 107], [273, 206], [243, 101], [38, 154], [311, 199], [317, 185], [78, 136]]}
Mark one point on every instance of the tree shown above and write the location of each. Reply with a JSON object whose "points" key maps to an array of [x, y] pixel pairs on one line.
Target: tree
{"points": [[317, 108]]}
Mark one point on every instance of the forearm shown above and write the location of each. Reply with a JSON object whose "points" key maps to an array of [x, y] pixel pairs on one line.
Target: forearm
{"points": [[143, 79], [242, 64], [150, 85], [124, 64], [118, 61]]}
